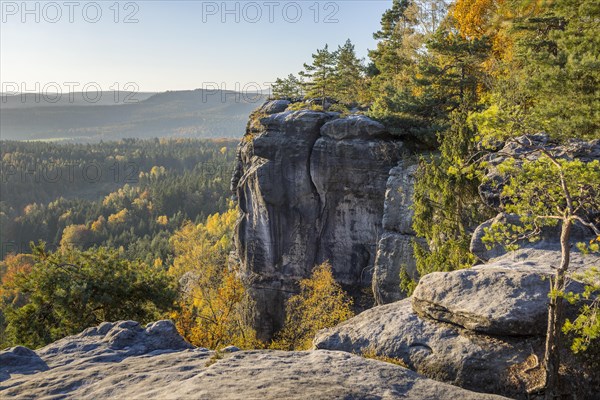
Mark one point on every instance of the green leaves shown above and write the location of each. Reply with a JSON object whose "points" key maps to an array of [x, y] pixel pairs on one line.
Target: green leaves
{"points": [[320, 74], [551, 84], [71, 290], [585, 329]]}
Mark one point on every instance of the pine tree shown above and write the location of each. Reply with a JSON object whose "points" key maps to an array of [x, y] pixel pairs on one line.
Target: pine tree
{"points": [[320, 75], [349, 75], [551, 84], [394, 59], [287, 88], [549, 191]]}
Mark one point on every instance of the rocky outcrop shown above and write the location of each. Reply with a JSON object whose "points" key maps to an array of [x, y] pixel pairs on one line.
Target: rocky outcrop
{"points": [[310, 187], [20, 360], [100, 363], [491, 189], [481, 328], [437, 350], [522, 147], [395, 247]]}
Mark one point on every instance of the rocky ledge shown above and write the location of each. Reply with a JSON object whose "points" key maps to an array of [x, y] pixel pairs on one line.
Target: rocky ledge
{"points": [[126, 361], [481, 328]]}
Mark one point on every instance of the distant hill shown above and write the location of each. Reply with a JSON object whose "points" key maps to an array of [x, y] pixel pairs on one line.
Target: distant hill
{"points": [[36, 100], [193, 113]]}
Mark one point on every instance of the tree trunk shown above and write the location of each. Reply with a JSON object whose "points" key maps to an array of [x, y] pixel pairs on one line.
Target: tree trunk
{"points": [[555, 317]]}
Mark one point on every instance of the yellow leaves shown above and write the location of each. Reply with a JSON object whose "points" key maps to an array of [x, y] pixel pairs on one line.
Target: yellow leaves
{"points": [[213, 315], [473, 16], [31, 208], [139, 204], [213, 306], [119, 218], [157, 172], [453, 171], [66, 215], [162, 220], [98, 224], [13, 266], [75, 235], [320, 304], [417, 91]]}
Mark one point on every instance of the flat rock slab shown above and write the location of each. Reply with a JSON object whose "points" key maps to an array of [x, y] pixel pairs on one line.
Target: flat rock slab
{"points": [[437, 350], [100, 370]]}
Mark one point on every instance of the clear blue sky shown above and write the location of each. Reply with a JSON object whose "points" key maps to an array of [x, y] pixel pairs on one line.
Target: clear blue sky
{"points": [[175, 45]]}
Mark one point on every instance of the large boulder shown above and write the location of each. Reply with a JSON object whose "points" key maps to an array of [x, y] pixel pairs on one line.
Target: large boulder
{"points": [[93, 366], [481, 328], [437, 350], [548, 238], [20, 360], [119, 339], [354, 127], [491, 189], [497, 300], [274, 106], [395, 255]]}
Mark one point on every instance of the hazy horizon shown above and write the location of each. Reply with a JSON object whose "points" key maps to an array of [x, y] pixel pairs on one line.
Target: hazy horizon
{"points": [[158, 46]]}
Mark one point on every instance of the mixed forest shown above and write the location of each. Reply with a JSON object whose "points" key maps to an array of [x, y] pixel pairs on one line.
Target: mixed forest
{"points": [[457, 79]]}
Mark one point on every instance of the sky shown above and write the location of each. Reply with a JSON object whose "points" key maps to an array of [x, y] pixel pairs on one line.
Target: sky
{"points": [[152, 46]]}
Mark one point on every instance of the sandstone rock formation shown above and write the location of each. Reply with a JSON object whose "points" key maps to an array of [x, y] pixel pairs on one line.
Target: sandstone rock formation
{"points": [[471, 328], [490, 191], [583, 150], [125, 361], [496, 300], [395, 247], [437, 350], [310, 186]]}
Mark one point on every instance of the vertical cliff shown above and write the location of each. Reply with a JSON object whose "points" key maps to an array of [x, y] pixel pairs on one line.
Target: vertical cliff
{"points": [[311, 188], [395, 246]]}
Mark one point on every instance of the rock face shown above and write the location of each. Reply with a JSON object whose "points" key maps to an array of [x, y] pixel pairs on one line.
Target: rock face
{"points": [[493, 299], [20, 359], [472, 328], [585, 151], [96, 366], [395, 247], [310, 186], [490, 191]]}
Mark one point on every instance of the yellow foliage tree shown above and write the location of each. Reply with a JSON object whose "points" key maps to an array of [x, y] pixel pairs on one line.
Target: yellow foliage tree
{"points": [[321, 303], [75, 236], [99, 224], [119, 217], [493, 18], [473, 17], [213, 302], [10, 268], [10, 295]]}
